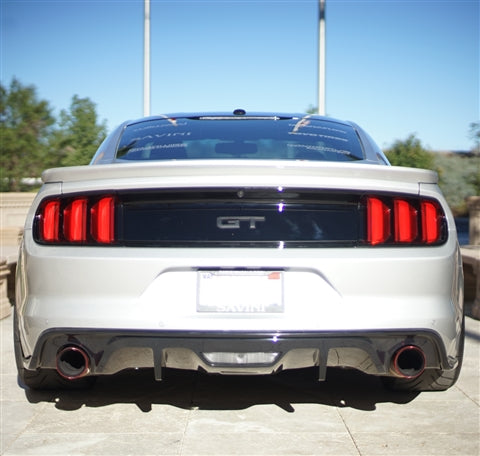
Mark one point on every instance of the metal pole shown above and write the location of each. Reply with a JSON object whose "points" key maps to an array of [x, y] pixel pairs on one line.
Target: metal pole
{"points": [[321, 58], [146, 60]]}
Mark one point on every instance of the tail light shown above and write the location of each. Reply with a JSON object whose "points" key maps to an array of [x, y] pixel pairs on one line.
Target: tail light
{"points": [[103, 220], [310, 219], [430, 222], [378, 221], [49, 222], [404, 221], [75, 221], [78, 220]]}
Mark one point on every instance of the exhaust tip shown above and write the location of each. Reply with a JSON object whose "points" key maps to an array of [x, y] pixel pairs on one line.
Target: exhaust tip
{"points": [[408, 362], [72, 363]]}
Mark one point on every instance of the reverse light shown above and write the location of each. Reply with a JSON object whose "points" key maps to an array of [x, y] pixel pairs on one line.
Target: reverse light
{"points": [[243, 358]]}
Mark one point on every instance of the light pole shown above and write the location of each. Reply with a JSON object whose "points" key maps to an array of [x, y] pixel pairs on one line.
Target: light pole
{"points": [[146, 59], [321, 57]]}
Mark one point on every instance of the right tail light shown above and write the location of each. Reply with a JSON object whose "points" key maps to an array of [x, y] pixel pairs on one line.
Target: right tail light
{"points": [[403, 221]]}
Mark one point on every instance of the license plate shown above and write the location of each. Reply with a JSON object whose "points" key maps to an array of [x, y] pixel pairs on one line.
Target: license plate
{"points": [[240, 291]]}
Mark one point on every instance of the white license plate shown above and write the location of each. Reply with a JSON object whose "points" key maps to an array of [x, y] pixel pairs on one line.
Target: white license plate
{"points": [[240, 291]]}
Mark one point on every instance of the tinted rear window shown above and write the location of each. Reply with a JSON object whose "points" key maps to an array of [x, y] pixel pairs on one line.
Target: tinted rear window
{"points": [[239, 138]]}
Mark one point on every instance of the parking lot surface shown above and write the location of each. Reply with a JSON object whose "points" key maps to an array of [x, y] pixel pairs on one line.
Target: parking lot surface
{"points": [[190, 413]]}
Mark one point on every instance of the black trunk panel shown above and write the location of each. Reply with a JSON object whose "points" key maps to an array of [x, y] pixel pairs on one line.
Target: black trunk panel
{"points": [[240, 217]]}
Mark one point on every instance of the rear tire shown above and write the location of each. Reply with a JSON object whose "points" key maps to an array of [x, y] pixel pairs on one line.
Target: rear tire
{"points": [[42, 379], [431, 379]]}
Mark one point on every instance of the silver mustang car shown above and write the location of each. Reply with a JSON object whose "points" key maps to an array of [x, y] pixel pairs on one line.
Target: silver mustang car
{"points": [[239, 243]]}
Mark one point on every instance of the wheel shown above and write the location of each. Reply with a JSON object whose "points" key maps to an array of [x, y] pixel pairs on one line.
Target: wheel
{"points": [[42, 379], [431, 379]]}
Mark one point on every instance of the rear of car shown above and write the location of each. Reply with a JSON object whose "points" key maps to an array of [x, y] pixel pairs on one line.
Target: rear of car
{"points": [[239, 244]]}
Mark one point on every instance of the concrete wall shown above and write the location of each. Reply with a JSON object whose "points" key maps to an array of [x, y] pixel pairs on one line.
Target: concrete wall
{"points": [[13, 210], [474, 224]]}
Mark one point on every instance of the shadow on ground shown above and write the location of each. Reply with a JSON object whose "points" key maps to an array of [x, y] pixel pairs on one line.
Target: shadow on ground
{"points": [[194, 390]]}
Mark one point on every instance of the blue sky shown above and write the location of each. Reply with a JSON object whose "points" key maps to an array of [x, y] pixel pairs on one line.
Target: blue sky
{"points": [[395, 67]]}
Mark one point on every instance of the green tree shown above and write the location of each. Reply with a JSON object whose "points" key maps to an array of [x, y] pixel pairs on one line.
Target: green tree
{"points": [[411, 153], [25, 125], [79, 133], [459, 178], [474, 134]]}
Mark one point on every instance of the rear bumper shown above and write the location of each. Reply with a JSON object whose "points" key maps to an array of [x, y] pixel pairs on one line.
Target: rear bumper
{"points": [[110, 351], [137, 308]]}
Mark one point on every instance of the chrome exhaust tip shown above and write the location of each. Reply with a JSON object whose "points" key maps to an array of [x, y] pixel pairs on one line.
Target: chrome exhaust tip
{"points": [[408, 362], [72, 362]]}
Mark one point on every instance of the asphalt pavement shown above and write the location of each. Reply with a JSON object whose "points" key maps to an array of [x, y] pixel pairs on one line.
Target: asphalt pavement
{"points": [[194, 414]]}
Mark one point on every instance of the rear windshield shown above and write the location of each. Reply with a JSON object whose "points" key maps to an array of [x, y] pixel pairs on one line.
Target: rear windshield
{"points": [[239, 138]]}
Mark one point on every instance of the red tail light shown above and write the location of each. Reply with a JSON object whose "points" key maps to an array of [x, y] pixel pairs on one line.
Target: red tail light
{"points": [[405, 217], [103, 220], [378, 223], [75, 221], [397, 221], [430, 222], [50, 221], [81, 220]]}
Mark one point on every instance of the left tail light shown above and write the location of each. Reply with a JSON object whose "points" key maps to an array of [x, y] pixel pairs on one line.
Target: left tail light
{"points": [[49, 221], [77, 220], [103, 220]]}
